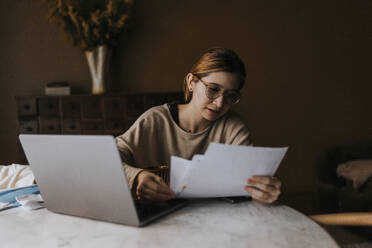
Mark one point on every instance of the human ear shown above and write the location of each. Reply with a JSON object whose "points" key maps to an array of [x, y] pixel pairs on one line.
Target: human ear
{"points": [[190, 81]]}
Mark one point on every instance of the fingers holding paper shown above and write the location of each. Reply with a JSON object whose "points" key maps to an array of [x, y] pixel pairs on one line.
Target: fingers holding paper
{"points": [[263, 188], [152, 187]]}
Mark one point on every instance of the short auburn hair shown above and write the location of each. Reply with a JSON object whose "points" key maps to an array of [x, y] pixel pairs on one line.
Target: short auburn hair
{"points": [[216, 59]]}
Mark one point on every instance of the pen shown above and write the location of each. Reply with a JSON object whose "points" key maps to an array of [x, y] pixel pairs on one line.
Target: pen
{"points": [[182, 189]]}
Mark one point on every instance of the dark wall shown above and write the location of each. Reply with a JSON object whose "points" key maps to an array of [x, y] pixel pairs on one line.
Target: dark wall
{"points": [[309, 67]]}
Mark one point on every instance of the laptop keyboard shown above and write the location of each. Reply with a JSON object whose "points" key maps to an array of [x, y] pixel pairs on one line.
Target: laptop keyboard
{"points": [[146, 209]]}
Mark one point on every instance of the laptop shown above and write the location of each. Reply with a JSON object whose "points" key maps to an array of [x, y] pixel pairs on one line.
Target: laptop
{"points": [[82, 175]]}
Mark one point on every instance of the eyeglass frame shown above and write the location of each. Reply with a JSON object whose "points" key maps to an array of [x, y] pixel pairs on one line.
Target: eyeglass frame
{"points": [[207, 86]]}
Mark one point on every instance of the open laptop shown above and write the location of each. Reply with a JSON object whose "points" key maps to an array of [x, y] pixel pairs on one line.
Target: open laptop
{"points": [[82, 175]]}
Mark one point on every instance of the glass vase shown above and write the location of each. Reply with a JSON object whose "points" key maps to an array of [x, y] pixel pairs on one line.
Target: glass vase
{"points": [[98, 62]]}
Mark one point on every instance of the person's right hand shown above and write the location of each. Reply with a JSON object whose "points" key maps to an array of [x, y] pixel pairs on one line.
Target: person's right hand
{"points": [[152, 187]]}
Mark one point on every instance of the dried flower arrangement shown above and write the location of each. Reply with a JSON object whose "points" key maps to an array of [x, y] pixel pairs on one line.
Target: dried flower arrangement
{"points": [[91, 23]]}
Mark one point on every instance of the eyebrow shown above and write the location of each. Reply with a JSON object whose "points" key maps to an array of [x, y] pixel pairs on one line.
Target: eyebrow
{"points": [[219, 86]]}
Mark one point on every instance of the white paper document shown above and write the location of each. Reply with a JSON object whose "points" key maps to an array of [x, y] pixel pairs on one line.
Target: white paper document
{"points": [[223, 170]]}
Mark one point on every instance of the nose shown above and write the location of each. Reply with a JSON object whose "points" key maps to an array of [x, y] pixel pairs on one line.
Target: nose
{"points": [[218, 101]]}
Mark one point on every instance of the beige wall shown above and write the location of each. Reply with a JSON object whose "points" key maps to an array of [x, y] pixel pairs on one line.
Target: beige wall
{"points": [[309, 67]]}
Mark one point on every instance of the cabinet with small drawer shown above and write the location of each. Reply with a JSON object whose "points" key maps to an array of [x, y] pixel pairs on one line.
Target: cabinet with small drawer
{"points": [[70, 107], [110, 114], [49, 125]]}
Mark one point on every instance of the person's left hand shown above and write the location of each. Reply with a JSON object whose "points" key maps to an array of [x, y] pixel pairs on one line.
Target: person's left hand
{"points": [[263, 188]]}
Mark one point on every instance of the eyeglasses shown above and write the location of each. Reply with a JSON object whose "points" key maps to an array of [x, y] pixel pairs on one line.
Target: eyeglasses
{"points": [[214, 91]]}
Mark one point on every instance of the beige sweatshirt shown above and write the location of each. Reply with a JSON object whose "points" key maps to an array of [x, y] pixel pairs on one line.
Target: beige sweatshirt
{"points": [[155, 137]]}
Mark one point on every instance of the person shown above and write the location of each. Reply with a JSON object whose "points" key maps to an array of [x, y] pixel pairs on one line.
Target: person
{"points": [[211, 87]]}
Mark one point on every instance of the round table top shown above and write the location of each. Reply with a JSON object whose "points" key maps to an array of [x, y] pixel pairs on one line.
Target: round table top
{"points": [[202, 223]]}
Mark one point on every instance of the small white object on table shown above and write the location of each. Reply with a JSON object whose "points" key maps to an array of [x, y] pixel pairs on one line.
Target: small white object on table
{"points": [[202, 223]]}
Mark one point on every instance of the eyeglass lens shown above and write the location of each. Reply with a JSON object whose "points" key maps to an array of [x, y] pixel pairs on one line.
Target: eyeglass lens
{"points": [[214, 92]]}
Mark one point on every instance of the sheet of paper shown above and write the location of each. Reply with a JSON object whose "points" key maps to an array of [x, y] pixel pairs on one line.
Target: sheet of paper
{"points": [[223, 170], [178, 172], [31, 201]]}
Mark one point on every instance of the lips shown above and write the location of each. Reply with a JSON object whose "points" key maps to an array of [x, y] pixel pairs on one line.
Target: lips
{"points": [[214, 111]]}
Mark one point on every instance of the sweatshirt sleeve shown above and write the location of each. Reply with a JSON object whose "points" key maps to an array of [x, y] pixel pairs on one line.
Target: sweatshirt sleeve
{"points": [[237, 132], [129, 144], [137, 146], [126, 153]]}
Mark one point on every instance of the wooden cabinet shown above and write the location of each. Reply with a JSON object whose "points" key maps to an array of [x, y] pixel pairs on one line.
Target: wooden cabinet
{"points": [[28, 126], [48, 106], [85, 114], [71, 126], [70, 107], [49, 125]]}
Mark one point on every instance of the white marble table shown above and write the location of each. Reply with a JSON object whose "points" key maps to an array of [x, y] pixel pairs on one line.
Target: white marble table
{"points": [[204, 223]]}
